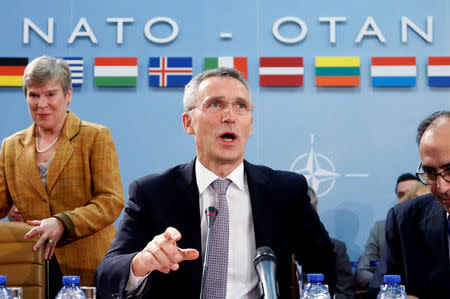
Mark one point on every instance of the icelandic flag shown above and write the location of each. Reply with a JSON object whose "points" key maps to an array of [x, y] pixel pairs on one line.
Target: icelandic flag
{"points": [[76, 70], [439, 71], [169, 71], [393, 71]]}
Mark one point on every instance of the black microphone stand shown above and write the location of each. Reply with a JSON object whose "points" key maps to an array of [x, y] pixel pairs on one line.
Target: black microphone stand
{"points": [[211, 214]]}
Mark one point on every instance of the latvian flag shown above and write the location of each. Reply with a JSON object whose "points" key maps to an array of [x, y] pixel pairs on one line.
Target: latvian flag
{"points": [[439, 71], [281, 71], [11, 70], [238, 63], [169, 71], [393, 71], [76, 70], [337, 71], [115, 71]]}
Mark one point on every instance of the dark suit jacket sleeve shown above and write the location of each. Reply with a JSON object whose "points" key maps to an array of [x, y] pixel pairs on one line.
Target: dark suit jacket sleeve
{"points": [[133, 235]]}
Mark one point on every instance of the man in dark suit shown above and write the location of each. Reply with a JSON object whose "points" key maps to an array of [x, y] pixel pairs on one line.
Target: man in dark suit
{"points": [[417, 231], [156, 250]]}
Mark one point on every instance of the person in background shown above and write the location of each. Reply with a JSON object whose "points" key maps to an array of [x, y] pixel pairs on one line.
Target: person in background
{"points": [[417, 231], [375, 243], [14, 215], [417, 190], [62, 174], [165, 224], [344, 274]]}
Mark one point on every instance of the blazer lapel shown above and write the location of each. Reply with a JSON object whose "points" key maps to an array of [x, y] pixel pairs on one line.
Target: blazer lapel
{"points": [[256, 180], [434, 230], [64, 149], [26, 162]]}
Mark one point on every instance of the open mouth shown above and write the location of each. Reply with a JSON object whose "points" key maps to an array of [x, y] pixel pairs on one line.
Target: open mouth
{"points": [[228, 137]]}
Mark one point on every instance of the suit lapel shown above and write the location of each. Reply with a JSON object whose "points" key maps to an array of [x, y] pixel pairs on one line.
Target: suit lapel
{"points": [[262, 217], [186, 211], [64, 150], [434, 229], [26, 161]]}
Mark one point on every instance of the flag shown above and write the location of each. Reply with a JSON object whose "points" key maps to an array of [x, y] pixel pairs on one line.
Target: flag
{"points": [[281, 71], [76, 70], [439, 71], [11, 70], [393, 71], [115, 71], [337, 71], [169, 71], [238, 63]]}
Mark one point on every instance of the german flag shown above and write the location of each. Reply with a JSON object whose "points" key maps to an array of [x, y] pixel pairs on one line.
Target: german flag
{"points": [[11, 70]]}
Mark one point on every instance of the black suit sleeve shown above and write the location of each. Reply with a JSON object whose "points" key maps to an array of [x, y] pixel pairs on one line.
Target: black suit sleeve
{"points": [[132, 236]]}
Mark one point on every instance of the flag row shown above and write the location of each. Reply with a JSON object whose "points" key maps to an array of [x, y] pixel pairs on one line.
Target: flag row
{"points": [[273, 71]]}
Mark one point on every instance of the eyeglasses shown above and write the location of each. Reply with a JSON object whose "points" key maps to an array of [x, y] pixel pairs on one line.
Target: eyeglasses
{"points": [[429, 178], [214, 106]]}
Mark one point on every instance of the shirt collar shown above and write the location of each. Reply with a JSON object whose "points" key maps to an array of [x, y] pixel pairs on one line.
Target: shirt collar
{"points": [[205, 176]]}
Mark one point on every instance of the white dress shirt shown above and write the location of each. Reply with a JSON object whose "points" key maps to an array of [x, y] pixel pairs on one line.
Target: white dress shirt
{"points": [[242, 279]]}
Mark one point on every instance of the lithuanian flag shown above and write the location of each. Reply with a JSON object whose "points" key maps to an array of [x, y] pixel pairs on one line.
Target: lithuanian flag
{"points": [[11, 70], [337, 71], [115, 71]]}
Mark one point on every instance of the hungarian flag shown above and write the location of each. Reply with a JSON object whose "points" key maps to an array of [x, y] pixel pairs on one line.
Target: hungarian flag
{"points": [[169, 71], [115, 71], [76, 70], [281, 71], [11, 70], [238, 63], [439, 71], [337, 71], [393, 71]]}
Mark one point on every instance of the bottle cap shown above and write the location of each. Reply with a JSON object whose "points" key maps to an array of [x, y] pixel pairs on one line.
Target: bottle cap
{"points": [[392, 278], [71, 279], [2, 279], [315, 277]]}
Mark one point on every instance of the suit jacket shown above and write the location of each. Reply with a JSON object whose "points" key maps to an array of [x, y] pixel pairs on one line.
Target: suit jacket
{"points": [[417, 248], [374, 247], [282, 216], [344, 274], [84, 190]]}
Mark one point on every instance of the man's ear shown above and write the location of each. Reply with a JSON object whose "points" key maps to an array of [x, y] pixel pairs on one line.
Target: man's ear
{"points": [[187, 120]]}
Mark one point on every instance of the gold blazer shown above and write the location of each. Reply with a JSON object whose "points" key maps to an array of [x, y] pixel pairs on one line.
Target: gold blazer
{"points": [[84, 190]]}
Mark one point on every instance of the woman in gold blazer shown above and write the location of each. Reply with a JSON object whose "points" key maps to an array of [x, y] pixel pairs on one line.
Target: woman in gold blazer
{"points": [[62, 174]]}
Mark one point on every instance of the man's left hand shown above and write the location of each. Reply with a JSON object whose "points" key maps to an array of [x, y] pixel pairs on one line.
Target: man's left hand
{"points": [[50, 231]]}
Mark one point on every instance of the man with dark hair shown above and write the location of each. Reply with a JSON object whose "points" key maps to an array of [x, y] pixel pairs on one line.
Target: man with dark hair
{"points": [[404, 183], [163, 232], [417, 231]]}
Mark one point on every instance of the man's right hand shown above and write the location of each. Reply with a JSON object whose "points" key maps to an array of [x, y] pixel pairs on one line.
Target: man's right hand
{"points": [[162, 254]]}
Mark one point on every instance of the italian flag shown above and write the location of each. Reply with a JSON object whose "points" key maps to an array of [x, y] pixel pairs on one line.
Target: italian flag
{"points": [[115, 71], [238, 63]]}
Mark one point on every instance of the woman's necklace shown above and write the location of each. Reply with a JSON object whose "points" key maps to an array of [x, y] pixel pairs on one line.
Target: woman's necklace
{"points": [[48, 146]]}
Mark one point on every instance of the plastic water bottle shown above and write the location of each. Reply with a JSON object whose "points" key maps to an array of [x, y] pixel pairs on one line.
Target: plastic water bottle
{"points": [[315, 289], [4, 292], [392, 289], [71, 289]]}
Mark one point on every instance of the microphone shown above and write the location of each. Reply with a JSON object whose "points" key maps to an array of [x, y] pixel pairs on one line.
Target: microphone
{"points": [[265, 264], [211, 214]]}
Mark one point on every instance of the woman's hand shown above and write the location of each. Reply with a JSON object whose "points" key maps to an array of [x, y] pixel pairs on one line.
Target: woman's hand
{"points": [[50, 231]]}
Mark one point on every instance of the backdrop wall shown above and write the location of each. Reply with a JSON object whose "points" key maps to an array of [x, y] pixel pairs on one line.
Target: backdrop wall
{"points": [[364, 136]]}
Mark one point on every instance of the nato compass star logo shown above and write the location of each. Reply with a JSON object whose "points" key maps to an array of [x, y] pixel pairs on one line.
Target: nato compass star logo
{"points": [[319, 170]]}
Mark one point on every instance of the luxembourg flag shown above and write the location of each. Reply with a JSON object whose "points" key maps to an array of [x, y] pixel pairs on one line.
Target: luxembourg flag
{"points": [[393, 71], [439, 71]]}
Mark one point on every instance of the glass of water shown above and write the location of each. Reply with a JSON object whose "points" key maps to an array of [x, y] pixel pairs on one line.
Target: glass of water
{"points": [[90, 292], [16, 292]]}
